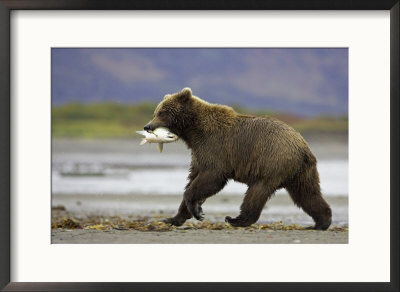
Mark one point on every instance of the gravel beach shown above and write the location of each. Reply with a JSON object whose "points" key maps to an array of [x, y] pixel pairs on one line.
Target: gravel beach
{"points": [[113, 219], [201, 236]]}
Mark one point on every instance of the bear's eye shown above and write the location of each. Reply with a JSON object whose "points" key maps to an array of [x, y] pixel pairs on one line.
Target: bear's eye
{"points": [[161, 113]]}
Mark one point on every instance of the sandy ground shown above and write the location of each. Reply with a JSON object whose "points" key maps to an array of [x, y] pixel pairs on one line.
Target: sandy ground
{"points": [[200, 236], [130, 208]]}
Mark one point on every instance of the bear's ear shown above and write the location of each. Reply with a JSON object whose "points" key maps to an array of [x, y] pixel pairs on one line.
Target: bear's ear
{"points": [[185, 94], [187, 90], [166, 96]]}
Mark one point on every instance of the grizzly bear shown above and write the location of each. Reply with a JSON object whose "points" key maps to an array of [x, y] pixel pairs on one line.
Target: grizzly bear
{"points": [[262, 152]]}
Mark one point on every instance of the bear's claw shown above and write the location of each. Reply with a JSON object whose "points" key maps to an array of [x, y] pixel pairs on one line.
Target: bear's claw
{"points": [[196, 210], [174, 221], [238, 221], [228, 219], [322, 227]]}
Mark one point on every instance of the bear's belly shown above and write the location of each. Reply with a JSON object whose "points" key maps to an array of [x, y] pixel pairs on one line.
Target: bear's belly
{"points": [[265, 170]]}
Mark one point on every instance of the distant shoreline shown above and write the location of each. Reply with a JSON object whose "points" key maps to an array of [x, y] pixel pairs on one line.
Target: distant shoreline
{"points": [[111, 120], [323, 145]]}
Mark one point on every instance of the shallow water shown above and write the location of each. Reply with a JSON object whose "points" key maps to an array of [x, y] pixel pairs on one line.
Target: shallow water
{"points": [[122, 167], [172, 180]]}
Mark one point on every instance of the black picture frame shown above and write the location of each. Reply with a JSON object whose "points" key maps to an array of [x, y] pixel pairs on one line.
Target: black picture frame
{"points": [[7, 6]]}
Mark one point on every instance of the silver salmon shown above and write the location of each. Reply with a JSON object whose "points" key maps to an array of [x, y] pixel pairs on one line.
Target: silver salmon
{"points": [[160, 135]]}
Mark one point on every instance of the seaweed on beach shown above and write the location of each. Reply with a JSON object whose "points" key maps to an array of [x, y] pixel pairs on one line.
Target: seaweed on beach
{"points": [[146, 224], [66, 223]]}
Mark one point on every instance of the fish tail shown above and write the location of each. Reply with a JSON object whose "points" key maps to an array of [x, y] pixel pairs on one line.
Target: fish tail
{"points": [[143, 141], [160, 147]]}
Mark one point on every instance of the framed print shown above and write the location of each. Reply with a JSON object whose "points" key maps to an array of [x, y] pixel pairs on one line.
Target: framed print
{"points": [[96, 169], [122, 121]]}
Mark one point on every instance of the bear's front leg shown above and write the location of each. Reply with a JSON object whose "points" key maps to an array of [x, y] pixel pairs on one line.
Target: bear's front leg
{"points": [[206, 184], [183, 212], [181, 217]]}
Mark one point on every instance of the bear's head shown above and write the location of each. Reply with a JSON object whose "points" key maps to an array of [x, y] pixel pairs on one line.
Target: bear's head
{"points": [[174, 112]]}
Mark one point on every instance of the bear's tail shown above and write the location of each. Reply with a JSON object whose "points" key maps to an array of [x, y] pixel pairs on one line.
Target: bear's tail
{"points": [[309, 158]]}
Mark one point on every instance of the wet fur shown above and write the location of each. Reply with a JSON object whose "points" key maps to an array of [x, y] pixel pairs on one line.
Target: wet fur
{"points": [[262, 152]]}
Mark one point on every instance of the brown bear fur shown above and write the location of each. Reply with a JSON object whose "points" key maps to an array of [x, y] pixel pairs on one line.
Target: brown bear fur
{"points": [[264, 153]]}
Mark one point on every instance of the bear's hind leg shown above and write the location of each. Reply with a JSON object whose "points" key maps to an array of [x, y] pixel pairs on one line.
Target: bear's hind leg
{"points": [[305, 191], [253, 203]]}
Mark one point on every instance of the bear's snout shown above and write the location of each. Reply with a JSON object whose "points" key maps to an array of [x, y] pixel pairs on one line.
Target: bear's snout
{"points": [[148, 127]]}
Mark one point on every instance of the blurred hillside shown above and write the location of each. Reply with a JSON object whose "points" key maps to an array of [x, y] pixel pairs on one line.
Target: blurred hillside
{"points": [[306, 81], [112, 120]]}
